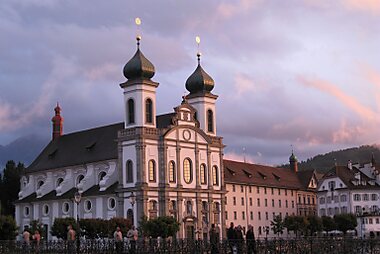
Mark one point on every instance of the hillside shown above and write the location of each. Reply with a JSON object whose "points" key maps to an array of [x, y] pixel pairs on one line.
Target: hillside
{"points": [[24, 149], [324, 162]]}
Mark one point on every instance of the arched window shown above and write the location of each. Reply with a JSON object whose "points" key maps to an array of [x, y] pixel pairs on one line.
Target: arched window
{"points": [[210, 121], [152, 171], [129, 171], [102, 175], [215, 175], [187, 171], [131, 111], [171, 171], [203, 174], [149, 111]]}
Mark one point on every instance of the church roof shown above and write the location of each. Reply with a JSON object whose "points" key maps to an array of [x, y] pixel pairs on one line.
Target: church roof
{"points": [[92, 145], [260, 175]]}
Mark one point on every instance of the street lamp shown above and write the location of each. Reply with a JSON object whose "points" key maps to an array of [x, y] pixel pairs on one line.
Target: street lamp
{"points": [[77, 199], [132, 200]]}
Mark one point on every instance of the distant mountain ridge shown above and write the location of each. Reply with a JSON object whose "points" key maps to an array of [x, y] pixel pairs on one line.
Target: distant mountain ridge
{"points": [[24, 149], [324, 162]]}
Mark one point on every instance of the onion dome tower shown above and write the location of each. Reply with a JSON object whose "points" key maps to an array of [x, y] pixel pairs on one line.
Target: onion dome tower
{"points": [[200, 84], [139, 90], [57, 121], [293, 161]]}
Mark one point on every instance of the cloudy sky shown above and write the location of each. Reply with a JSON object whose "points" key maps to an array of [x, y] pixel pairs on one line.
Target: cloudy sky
{"points": [[304, 73]]}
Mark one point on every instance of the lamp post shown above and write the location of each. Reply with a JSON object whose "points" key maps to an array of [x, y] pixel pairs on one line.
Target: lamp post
{"points": [[77, 199], [132, 200]]}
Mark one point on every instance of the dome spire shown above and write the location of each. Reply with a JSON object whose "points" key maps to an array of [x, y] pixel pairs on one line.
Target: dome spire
{"points": [[199, 81], [138, 66]]}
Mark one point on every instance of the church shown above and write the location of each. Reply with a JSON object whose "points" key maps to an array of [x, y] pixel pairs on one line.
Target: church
{"points": [[155, 165], [149, 165]]}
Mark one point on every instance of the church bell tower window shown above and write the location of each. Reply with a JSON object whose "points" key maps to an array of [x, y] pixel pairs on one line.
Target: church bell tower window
{"points": [[131, 111], [152, 171], [210, 121], [171, 171], [149, 111], [129, 171]]}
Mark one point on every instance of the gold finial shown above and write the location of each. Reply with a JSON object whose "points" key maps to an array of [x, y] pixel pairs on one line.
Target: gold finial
{"points": [[198, 40], [138, 35]]}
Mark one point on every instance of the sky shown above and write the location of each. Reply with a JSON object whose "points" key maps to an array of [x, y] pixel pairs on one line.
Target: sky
{"points": [[302, 74]]}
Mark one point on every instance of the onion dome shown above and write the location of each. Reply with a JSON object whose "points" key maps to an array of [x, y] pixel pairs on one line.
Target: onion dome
{"points": [[138, 66], [292, 158], [199, 81]]}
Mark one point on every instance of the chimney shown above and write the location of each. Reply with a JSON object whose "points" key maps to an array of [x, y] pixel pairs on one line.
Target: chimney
{"points": [[57, 121], [349, 165]]}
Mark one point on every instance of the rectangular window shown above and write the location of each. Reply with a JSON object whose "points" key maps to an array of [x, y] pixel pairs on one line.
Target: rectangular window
{"points": [[225, 200], [250, 201], [272, 191], [242, 201], [273, 215], [250, 189], [279, 191], [258, 189], [377, 221], [235, 216], [259, 215], [331, 185], [233, 188], [266, 202], [357, 197], [328, 200], [251, 214], [292, 193], [272, 202], [370, 221], [365, 197], [243, 215], [234, 200], [286, 192], [258, 202], [279, 203], [292, 203], [286, 203], [241, 188], [373, 197], [265, 190], [226, 215], [266, 216]]}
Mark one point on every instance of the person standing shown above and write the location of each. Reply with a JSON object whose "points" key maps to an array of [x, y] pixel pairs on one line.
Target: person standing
{"points": [[251, 242], [26, 238], [37, 238], [214, 240], [70, 239], [118, 236], [133, 237], [231, 236], [239, 239]]}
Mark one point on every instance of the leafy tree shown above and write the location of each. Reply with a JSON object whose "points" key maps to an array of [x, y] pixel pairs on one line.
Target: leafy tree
{"points": [[123, 223], [59, 228], [328, 224], [345, 222], [295, 223], [10, 186], [163, 226], [277, 225], [8, 228], [37, 225], [315, 224]]}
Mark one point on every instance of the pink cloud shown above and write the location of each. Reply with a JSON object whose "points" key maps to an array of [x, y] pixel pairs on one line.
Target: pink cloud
{"points": [[345, 99], [370, 6]]}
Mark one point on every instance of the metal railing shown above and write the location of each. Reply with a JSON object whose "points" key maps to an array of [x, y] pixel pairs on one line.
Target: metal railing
{"points": [[145, 246]]}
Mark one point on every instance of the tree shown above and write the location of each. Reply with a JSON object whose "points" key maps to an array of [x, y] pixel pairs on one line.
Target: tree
{"points": [[37, 225], [277, 225], [328, 224], [8, 228], [345, 222], [10, 186], [162, 226], [295, 223], [314, 224], [59, 228]]}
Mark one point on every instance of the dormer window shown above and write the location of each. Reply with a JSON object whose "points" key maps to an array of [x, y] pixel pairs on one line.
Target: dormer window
{"points": [[40, 183], [102, 175], [59, 181], [79, 179]]}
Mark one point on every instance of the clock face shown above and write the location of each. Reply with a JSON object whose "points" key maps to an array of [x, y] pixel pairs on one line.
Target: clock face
{"points": [[186, 134]]}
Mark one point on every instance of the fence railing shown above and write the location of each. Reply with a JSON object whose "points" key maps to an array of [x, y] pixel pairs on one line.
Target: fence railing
{"points": [[184, 246]]}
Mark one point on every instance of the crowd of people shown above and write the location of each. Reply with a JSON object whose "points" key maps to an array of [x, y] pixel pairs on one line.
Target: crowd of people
{"points": [[235, 236]]}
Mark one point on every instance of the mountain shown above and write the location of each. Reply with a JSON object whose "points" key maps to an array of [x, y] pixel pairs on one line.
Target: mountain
{"points": [[24, 149], [325, 162]]}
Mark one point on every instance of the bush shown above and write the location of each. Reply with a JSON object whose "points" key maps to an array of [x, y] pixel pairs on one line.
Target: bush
{"points": [[162, 226], [59, 228], [345, 222], [8, 228]]}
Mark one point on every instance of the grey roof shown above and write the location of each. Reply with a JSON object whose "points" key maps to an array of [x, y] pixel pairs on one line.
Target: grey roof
{"points": [[78, 148], [92, 145]]}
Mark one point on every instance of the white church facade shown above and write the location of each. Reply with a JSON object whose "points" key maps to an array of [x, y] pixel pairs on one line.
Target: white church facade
{"points": [[172, 164]]}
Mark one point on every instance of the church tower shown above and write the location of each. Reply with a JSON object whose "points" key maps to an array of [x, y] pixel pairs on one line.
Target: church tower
{"points": [[200, 85], [57, 121], [139, 91], [293, 161]]}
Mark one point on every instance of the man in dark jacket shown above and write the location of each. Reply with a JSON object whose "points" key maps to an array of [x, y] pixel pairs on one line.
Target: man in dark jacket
{"points": [[250, 238], [231, 236], [214, 240]]}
